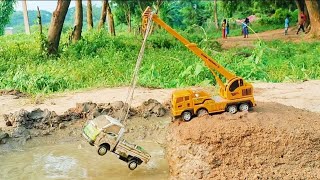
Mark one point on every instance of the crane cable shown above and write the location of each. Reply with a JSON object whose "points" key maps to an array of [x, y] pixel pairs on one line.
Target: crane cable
{"points": [[134, 79]]}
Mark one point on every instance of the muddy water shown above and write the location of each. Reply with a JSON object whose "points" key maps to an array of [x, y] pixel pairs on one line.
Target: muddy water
{"points": [[76, 159]]}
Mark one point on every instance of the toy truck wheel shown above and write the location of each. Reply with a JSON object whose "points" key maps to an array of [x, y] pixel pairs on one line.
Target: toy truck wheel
{"points": [[103, 149], [186, 116], [202, 112], [132, 164], [244, 107], [232, 109]]}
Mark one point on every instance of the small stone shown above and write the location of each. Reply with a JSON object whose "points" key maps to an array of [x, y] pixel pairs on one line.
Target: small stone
{"points": [[62, 126]]}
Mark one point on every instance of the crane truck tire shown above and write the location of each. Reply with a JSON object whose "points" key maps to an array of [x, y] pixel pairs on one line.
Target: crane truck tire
{"points": [[244, 107], [232, 109], [202, 112], [186, 116], [103, 149]]}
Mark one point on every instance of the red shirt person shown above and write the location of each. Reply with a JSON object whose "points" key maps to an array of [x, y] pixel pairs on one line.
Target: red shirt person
{"points": [[301, 22]]}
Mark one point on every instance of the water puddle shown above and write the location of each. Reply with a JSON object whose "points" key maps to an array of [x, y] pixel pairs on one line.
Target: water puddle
{"points": [[78, 160]]}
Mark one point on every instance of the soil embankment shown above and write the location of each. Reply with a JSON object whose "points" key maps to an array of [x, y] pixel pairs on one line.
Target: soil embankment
{"points": [[274, 141]]}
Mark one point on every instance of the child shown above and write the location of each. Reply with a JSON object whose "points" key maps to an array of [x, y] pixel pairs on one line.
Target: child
{"points": [[301, 22], [245, 28], [224, 23], [286, 25], [227, 29]]}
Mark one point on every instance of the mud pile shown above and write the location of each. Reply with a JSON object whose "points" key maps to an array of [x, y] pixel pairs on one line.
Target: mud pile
{"points": [[47, 121], [13, 92], [282, 143]]}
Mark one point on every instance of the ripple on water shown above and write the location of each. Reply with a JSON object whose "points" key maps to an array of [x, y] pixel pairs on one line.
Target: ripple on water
{"points": [[59, 167]]}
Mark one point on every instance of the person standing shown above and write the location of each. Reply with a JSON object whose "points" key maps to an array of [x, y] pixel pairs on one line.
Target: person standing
{"points": [[301, 22], [227, 29], [245, 28], [224, 23], [286, 25]]}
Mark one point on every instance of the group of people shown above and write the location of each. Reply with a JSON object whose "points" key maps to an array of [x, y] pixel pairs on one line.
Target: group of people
{"points": [[245, 24], [302, 21], [225, 28]]}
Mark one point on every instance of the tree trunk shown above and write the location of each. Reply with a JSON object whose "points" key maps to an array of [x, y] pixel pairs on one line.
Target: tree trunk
{"points": [[26, 17], [303, 8], [129, 20], [314, 13], [215, 9], [103, 14], [78, 22], [56, 25], [110, 20], [89, 15], [39, 21]]}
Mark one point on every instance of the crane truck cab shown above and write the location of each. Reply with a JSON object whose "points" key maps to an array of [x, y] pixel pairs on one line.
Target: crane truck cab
{"points": [[106, 134], [187, 103]]}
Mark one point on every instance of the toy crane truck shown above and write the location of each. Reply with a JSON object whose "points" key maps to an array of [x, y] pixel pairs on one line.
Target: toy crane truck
{"points": [[106, 133], [235, 94]]}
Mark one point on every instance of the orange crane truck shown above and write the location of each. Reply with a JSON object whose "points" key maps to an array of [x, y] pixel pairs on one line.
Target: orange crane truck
{"points": [[235, 94]]}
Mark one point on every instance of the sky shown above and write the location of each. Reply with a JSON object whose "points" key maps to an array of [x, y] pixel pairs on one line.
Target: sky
{"points": [[48, 5]]}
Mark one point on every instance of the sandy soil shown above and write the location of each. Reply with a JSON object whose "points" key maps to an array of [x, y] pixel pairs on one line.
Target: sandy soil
{"points": [[274, 141], [300, 95]]}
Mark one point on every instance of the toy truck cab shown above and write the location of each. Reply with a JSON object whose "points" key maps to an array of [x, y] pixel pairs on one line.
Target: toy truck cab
{"points": [[186, 103], [106, 133]]}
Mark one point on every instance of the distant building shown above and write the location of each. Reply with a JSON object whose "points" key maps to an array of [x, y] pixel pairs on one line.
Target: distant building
{"points": [[8, 31]]}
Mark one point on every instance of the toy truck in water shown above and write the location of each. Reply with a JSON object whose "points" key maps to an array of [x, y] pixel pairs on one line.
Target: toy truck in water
{"points": [[106, 133]]}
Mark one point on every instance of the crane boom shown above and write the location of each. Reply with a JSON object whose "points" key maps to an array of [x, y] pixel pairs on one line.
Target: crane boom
{"points": [[210, 62]]}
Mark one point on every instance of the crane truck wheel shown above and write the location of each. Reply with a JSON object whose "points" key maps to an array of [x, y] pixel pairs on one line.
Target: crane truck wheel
{"points": [[232, 109], [202, 112], [132, 164], [103, 149], [186, 116], [244, 107]]}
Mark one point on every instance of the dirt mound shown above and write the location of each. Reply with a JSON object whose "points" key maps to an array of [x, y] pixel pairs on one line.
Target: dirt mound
{"points": [[151, 107], [45, 121], [13, 92], [282, 143]]}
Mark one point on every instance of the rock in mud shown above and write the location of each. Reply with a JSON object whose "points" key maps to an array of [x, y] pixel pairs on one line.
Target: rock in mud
{"points": [[3, 137], [21, 132], [151, 107]]}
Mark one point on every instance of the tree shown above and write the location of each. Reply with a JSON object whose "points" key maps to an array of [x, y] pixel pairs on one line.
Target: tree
{"points": [[215, 13], [89, 15], [26, 17], [56, 25], [110, 20], [103, 14], [6, 9], [314, 14], [76, 34]]}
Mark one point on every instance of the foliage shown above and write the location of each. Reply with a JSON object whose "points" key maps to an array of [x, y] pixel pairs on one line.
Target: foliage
{"points": [[6, 9], [100, 60]]}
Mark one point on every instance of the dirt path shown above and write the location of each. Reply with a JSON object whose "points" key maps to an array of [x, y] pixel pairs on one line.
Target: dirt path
{"points": [[239, 41], [300, 95]]}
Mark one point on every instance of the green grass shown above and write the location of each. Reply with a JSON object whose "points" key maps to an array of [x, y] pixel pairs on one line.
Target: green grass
{"points": [[99, 60]]}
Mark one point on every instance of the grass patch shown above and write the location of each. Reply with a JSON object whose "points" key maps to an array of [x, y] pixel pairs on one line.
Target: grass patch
{"points": [[99, 60]]}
